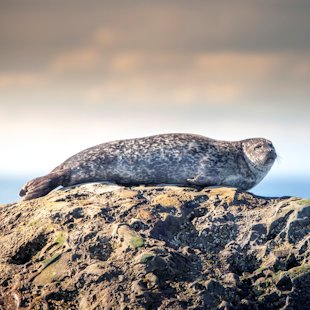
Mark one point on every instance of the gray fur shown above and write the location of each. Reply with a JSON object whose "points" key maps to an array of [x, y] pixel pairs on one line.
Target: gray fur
{"points": [[181, 159]]}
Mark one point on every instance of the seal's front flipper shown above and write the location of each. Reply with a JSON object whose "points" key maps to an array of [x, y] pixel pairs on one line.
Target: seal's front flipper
{"points": [[43, 185], [201, 180]]}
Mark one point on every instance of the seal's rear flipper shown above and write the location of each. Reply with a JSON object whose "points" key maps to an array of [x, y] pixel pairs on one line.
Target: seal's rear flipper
{"points": [[43, 185]]}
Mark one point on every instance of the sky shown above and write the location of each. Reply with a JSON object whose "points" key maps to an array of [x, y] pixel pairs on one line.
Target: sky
{"points": [[78, 73]]}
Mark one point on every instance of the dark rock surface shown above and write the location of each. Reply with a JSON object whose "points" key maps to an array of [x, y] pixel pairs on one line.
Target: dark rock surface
{"points": [[99, 246]]}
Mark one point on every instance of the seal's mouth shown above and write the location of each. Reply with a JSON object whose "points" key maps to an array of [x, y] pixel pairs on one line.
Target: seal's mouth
{"points": [[271, 157]]}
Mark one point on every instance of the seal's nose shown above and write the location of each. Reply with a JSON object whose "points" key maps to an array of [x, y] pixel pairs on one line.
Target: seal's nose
{"points": [[271, 157]]}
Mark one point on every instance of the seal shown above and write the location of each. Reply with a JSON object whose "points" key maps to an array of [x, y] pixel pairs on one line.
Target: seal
{"points": [[179, 159]]}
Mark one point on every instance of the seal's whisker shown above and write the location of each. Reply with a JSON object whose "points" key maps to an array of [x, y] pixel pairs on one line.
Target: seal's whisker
{"points": [[279, 158]]}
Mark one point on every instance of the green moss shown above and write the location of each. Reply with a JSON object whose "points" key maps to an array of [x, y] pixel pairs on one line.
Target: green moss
{"points": [[146, 257], [268, 282], [51, 260], [304, 202], [33, 223], [49, 228], [60, 238], [54, 269], [137, 242], [261, 268]]}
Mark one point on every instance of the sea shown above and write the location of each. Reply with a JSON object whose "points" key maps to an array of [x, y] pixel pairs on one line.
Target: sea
{"points": [[297, 186]]}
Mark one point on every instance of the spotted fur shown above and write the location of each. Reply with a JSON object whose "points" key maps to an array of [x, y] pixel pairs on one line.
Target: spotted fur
{"points": [[180, 159]]}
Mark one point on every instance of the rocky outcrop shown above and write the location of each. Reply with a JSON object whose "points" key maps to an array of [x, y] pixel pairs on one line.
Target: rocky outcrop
{"points": [[99, 246]]}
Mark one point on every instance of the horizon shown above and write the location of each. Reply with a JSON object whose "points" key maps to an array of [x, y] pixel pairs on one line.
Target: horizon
{"points": [[270, 186]]}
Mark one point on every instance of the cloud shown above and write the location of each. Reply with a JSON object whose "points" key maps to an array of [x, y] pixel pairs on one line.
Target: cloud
{"points": [[105, 76], [152, 52], [76, 60], [235, 65], [197, 78], [106, 37], [21, 79]]}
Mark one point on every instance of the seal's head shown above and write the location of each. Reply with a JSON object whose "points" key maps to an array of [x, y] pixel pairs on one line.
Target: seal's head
{"points": [[260, 153]]}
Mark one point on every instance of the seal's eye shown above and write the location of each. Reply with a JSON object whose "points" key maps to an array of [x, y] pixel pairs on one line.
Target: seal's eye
{"points": [[258, 146]]}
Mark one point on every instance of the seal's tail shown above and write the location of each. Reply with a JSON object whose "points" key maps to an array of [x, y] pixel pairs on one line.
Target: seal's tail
{"points": [[41, 186]]}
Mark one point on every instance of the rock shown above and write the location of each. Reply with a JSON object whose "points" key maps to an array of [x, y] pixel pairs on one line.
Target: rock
{"points": [[285, 283], [98, 246]]}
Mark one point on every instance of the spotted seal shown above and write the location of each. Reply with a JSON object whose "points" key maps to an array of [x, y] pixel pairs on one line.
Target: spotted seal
{"points": [[179, 159]]}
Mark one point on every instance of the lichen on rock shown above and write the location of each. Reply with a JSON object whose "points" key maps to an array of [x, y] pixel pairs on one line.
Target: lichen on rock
{"points": [[97, 246]]}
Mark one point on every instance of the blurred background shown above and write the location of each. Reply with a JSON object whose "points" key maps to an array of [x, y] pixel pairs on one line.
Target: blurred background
{"points": [[78, 73]]}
